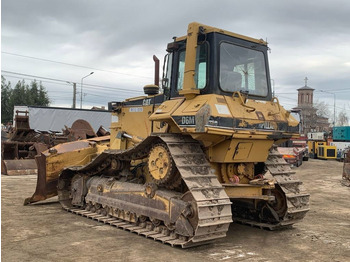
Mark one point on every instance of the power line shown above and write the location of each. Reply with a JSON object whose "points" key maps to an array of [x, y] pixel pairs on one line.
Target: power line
{"points": [[63, 63], [52, 79], [90, 94], [327, 105], [288, 93], [65, 82], [90, 87], [44, 81], [295, 93], [59, 91], [114, 88], [294, 99], [341, 90], [66, 92]]}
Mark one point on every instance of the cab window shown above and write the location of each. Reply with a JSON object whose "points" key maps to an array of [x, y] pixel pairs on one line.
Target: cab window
{"points": [[181, 70], [200, 70], [242, 69]]}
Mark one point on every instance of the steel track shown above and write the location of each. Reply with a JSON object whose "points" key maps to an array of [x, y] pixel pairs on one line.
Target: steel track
{"points": [[297, 199], [211, 203]]}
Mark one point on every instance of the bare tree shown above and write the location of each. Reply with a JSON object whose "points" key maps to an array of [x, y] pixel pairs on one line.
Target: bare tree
{"points": [[342, 119], [315, 117], [322, 109]]}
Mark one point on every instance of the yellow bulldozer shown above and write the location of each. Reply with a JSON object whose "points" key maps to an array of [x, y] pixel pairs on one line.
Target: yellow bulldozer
{"points": [[183, 163]]}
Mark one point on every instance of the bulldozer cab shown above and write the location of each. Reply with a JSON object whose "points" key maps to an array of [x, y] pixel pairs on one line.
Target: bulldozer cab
{"points": [[214, 61]]}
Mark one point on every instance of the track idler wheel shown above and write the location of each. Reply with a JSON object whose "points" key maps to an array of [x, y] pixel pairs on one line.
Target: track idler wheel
{"points": [[280, 203], [275, 211]]}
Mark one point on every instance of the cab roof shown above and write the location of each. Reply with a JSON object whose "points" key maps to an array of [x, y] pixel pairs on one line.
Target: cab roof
{"points": [[209, 29]]}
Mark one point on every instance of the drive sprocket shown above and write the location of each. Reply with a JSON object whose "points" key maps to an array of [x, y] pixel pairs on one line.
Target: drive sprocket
{"points": [[161, 166]]}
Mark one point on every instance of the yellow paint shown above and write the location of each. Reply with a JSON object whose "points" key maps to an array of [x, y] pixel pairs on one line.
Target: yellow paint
{"points": [[247, 191], [165, 110], [56, 162], [194, 29], [159, 162], [209, 29]]}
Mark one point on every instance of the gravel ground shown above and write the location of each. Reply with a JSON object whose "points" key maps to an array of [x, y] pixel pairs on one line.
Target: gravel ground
{"points": [[44, 232]]}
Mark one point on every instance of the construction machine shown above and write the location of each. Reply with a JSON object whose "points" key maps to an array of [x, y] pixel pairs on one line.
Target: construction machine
{"points": [[183, 163], [318, 146]]}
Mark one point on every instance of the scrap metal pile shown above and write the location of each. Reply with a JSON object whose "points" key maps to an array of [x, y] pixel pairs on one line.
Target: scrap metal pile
{"points": [[24, 143]]}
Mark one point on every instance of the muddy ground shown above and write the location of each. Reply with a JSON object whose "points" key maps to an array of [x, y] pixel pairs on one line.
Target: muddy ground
{"points": [[44, 232]]}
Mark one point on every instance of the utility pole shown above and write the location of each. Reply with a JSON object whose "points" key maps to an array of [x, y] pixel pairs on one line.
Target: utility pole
{"points": [[74, 94]]}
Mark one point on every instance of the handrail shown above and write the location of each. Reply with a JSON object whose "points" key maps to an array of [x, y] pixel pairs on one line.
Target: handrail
{"points": [[278, 104], [251, 109]]}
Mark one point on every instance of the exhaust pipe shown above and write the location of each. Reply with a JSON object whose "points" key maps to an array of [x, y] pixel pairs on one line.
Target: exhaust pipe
{"points": [[151, 90], [156, 70]]}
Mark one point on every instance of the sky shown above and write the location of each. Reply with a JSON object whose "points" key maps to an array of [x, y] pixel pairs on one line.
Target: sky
{"points": [[61, 42]]}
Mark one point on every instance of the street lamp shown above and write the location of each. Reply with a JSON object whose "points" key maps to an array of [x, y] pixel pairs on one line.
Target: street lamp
{"points": [[81, 89], [334, 104]]}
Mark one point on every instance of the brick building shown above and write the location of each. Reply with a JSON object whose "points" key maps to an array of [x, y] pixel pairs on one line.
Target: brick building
{"points": [[310, 121]]}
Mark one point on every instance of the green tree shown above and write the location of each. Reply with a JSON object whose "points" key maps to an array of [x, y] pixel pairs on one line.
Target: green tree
{"points": [[33, 93], [21, 95], [6, 104], [43, 98]]}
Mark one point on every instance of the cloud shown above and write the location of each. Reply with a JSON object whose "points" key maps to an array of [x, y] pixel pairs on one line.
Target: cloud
{"points": [[306, 38]]}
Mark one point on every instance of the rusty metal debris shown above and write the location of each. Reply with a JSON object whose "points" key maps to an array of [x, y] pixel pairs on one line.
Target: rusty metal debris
{"points": [[19, 167], [24, 143]]}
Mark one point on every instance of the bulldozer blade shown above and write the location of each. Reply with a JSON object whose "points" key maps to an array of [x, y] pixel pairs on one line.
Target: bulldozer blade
{"points": [[19, 167], [44, 188], [51, 163]]}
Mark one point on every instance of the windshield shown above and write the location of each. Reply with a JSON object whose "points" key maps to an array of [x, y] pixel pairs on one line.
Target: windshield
{"points": [[242, 69]]}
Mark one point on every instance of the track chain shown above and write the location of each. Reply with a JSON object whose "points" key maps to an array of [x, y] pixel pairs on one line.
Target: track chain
{"points": [[297, 199], [146, 229], [209, 199]]}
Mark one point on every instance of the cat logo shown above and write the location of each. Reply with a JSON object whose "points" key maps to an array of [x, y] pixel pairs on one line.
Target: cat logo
{"points": [[146, 102]]}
